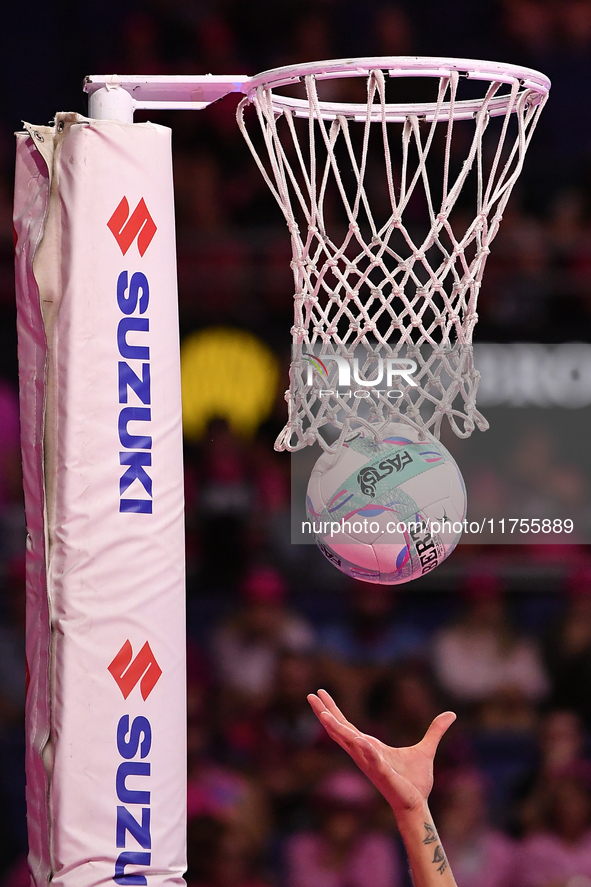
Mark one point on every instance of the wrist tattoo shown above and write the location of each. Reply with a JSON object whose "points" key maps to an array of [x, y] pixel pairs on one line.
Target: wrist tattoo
{"points": [[438, 856], [439, 859], [431, 835]]}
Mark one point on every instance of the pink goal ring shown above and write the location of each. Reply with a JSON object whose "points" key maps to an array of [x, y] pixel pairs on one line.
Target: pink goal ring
{"points": [[522, 80]]}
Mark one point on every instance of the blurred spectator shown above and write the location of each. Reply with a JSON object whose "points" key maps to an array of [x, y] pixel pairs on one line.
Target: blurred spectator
{"points": [[558, 850], [483, 654], [406, 703], [344, 852], [489, 492], [508, 709], [478, 854], [283, 743], [198, 197], [561, 752], [357, 652], [504, 743], [543, 484], [562, 743], [288, 722], [520, 285], [271, 737], [216, 790], [223, 505], [568, 649], [218, 856], [567, 225], [270, 526], [247, 647], [230, 797]]}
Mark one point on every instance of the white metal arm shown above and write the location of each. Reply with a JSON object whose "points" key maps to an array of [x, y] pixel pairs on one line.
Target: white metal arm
{"points": [[116, 97]]}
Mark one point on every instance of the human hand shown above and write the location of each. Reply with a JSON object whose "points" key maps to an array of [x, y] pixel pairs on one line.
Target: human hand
{"points": [[403, 775]]}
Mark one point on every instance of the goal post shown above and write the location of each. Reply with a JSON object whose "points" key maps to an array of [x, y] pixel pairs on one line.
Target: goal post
{"points": [[99, 378], [102, 456]]}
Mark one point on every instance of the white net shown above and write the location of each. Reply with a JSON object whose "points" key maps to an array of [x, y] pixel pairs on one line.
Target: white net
{"points": [[387, 260]]}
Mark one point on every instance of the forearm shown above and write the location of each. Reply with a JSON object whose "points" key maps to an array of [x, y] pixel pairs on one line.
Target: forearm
{"points": [[428, 862]]}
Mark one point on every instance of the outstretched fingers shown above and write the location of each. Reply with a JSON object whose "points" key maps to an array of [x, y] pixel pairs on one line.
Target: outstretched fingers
{"points": [[343, 733], [323, 703], [333, 720], [317, 704], [333, 708]]}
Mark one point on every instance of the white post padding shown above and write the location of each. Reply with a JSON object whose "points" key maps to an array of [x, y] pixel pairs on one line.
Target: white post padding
{"points": [[102, 456]]}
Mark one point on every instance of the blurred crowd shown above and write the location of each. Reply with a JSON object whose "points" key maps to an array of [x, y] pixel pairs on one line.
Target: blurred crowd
{"points": [[271, 800], [513, 781]]}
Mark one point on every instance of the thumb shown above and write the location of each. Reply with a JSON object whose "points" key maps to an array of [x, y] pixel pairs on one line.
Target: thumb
{"points": [[436, 730]]}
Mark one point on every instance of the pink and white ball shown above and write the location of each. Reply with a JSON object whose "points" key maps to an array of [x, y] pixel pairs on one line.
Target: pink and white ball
{"points": [[389, 510]]}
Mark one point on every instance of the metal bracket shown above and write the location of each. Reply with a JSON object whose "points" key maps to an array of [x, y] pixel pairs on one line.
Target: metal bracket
{"points": [[116, 96]]}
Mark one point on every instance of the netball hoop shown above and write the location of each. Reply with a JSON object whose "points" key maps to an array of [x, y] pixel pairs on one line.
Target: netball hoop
{"points": [[392, 199], [392, 205]]}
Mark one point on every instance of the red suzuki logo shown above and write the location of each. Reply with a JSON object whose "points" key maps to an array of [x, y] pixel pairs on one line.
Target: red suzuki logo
{"points": [[143, 670], [125, 228]]}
